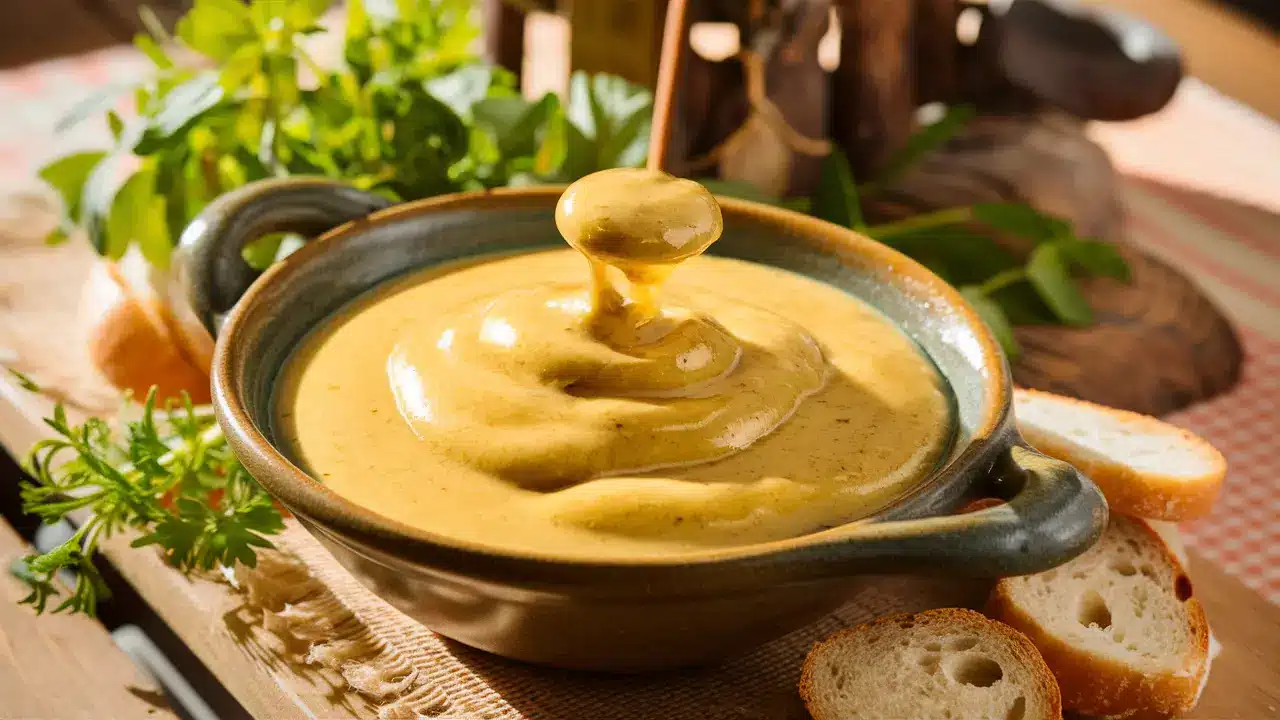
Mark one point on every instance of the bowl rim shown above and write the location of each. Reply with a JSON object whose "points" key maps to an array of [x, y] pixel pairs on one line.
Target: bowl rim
{"points": [[336, 518]]}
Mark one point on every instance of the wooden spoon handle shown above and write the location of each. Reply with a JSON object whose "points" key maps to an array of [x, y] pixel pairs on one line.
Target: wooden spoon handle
{"points": [[674, 48]]}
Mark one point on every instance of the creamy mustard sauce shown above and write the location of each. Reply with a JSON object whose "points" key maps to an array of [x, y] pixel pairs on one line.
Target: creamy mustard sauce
{"points": [[646, 402]]}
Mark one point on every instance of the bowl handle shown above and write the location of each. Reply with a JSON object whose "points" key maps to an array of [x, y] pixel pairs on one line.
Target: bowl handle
{"points": [[210, 267], [1053, 514]]}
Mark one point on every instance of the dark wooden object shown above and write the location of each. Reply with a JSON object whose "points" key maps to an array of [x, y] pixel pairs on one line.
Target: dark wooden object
{"points": [[936, 50], [1093, 62], [874, 99], [504, 35], [1158, 345], [620, 37]]}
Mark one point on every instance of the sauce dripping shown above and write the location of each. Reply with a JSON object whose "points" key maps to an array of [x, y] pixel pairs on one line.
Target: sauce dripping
{"points": [[550, 385]]}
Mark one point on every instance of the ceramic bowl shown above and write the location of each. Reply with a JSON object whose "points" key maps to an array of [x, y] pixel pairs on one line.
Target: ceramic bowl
{"points": [[618, 615]]}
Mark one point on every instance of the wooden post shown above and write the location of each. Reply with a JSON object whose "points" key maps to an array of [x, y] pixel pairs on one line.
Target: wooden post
{"points": [[873, 90], [504, 35], [621, 37], [936, 49]]}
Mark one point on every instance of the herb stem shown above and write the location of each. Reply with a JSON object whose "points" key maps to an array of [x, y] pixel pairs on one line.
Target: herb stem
{"points": [[207, 437], [1003, 279], [937, 218]]}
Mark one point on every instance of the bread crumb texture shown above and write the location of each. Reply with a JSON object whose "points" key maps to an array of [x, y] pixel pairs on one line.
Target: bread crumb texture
{"points": [[1118, 625], [947, 664]]}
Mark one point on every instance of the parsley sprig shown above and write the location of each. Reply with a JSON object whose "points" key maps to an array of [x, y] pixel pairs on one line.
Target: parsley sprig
{"points": [[168, 476]]}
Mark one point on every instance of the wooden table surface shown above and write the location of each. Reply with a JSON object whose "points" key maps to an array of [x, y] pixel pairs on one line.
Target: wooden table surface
{"points": [[64, 666]]}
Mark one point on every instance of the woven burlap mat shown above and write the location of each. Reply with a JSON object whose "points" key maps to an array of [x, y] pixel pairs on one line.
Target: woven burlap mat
{"points": [[304, 596]]}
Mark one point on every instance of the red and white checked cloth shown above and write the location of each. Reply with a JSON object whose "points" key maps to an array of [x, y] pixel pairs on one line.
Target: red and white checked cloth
{"points": [[1203, 141]]}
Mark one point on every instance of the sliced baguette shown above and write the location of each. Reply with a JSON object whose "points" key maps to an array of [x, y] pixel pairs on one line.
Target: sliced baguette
{"points": [[1118, 625], [934, 665], [1143, 466], [131, 334]]}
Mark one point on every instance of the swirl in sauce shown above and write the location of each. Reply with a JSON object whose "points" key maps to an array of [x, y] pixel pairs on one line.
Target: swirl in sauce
{"points": [[655, 401], [550, 386]]}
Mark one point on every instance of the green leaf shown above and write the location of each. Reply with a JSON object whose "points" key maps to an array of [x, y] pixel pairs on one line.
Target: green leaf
{"points": [[1021, 219], [115, 124], [130, 202], [99, 101], [517, 123], [149, 47], [280, 78], [303, 14], [837, 197], [24, 382], [68, 176], [270, 249], [217, 28], [798, 204], [926, 140], [554, 148], [613, 115], [99, 195], [936, 265], [138, 216], [579, 156], [970, 259], [466, 86], [179, 110], [503, 116], [1023, 305], [1050, 275], [993, 315], [1096, 257], [241, 69]]}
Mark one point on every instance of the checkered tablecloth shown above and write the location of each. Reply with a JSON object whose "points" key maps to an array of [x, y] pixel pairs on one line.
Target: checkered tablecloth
{"points": [[1203, 192]]}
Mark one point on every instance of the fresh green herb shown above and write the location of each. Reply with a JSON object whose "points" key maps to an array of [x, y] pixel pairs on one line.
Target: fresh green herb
{"points": [[837, 200], [24, 382], [412, 113], [168, 475]]}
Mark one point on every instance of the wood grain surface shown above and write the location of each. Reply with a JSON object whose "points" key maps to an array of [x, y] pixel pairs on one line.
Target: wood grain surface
{"points": [[63, 667]]}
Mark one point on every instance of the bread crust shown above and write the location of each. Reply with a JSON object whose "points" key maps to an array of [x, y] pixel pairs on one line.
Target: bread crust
{"points": [[130, 343], [950, 620], [1129, 492], [1100, 687]]}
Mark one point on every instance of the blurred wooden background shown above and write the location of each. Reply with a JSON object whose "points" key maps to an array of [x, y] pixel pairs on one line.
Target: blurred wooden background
{"points": [[1233, 45], [32, 30], [1236, 53]]}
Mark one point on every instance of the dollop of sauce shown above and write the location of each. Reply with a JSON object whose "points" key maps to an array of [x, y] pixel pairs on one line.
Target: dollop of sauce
{"points": [[553, 385]]}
